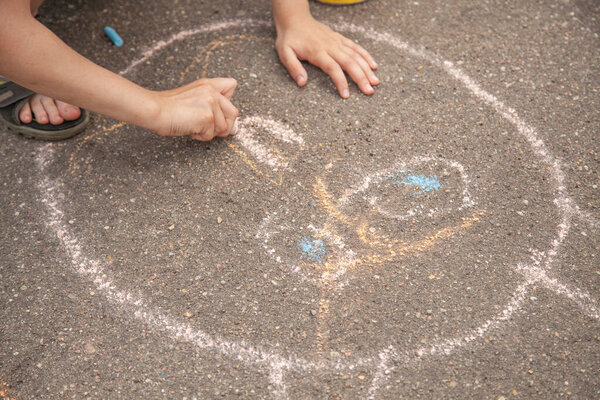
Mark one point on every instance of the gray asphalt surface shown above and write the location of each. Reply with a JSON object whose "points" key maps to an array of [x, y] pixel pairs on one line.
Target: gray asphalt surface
{"points": [[418, 243]]}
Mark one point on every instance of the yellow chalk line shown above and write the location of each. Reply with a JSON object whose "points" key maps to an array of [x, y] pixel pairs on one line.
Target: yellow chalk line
{"points": [[4, 395], [253, 166], [207, 50], [73, 165], [393, 247]]}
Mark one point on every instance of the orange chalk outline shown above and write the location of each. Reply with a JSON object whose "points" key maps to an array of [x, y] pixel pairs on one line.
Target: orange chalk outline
{"points": [[391, 248], [4, 387]]}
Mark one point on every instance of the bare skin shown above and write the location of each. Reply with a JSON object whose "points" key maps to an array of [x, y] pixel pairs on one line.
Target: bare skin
{"points": [[45, 109], [301, 38], [34, 57]]}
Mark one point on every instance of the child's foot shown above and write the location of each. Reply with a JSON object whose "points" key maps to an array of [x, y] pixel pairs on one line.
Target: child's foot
{"points": [[47, 110], [39, 117]]}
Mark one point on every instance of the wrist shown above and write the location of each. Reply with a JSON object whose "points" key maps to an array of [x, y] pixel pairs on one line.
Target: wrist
{"points": [[288, 13], [150, 111]]}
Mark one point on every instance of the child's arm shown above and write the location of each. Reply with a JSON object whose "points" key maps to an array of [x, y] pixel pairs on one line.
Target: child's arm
{"points": [[301, 37], [34, 57]]}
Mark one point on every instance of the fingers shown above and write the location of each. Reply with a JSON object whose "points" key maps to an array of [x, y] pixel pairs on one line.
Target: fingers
{"points": [[354, 64], [363, 53], [293, 65], [349, 64], [225, 86], [201, 109], [333, 69], [220, 124], [208, 131], [219, 120], [373, 80]]}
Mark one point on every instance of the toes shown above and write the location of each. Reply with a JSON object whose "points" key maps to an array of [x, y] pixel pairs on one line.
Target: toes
{"points": [[46, 109], [38, 109], [67, 111], [52, 111], [25, 114]]}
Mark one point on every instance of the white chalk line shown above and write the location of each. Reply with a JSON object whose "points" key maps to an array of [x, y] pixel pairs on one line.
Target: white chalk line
{"points": [[217, 26], [563, 201], [246, 132], [379, 176], [274, 363], [535, 274], [265, 233], [345, 258], [277, 129], [103, 283]]}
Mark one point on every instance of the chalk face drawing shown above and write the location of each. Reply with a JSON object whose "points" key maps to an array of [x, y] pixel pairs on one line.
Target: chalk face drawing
{"points": [[315, 212]]}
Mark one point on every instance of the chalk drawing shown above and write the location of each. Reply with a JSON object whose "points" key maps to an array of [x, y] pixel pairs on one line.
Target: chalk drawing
{"points": [[248, 130], [204, 55], [383, 362], [378, 247]]}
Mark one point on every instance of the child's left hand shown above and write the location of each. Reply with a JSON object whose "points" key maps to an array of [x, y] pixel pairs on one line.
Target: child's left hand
{"points": [[309, 40]]}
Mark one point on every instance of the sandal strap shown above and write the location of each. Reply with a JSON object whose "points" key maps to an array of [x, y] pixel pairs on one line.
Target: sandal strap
{"points": [[10, 93]]}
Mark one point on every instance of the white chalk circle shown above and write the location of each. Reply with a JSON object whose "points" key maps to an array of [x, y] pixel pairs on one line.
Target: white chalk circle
{"points": [[271, 360]]}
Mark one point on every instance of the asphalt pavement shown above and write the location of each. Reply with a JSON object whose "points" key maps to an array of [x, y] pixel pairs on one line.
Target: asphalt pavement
{"points": [[439, 239]]}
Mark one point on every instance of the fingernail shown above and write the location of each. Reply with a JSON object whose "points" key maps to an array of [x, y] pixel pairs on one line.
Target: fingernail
{"points": [[375, 79], [375, 65], [369, 88], [345, 93], [301, 80]]}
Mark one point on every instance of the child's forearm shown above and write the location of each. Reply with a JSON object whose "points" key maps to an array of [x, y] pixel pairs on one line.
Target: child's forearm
{"points": [[34, 57], [286, 11]]}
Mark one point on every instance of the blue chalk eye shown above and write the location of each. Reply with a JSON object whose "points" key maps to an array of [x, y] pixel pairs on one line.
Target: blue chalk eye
{"points": [[113, 36], [312, 249], [418, 183]]}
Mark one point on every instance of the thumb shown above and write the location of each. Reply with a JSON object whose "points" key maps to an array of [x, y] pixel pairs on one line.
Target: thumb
{"points": [[293, 65]]}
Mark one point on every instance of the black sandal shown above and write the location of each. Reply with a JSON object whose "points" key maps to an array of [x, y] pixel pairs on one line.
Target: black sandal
{"points": [[12, 99]]}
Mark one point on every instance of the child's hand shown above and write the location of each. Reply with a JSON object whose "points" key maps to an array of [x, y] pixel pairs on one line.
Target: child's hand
{"points": [[309, 40], [201, 109]]}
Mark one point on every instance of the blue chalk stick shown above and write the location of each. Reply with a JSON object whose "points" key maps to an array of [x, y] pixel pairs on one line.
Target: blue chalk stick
{"points": [[114, 36]]}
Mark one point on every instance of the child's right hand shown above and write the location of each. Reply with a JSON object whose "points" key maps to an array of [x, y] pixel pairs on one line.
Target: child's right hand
{"points": [[201, 109]]}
